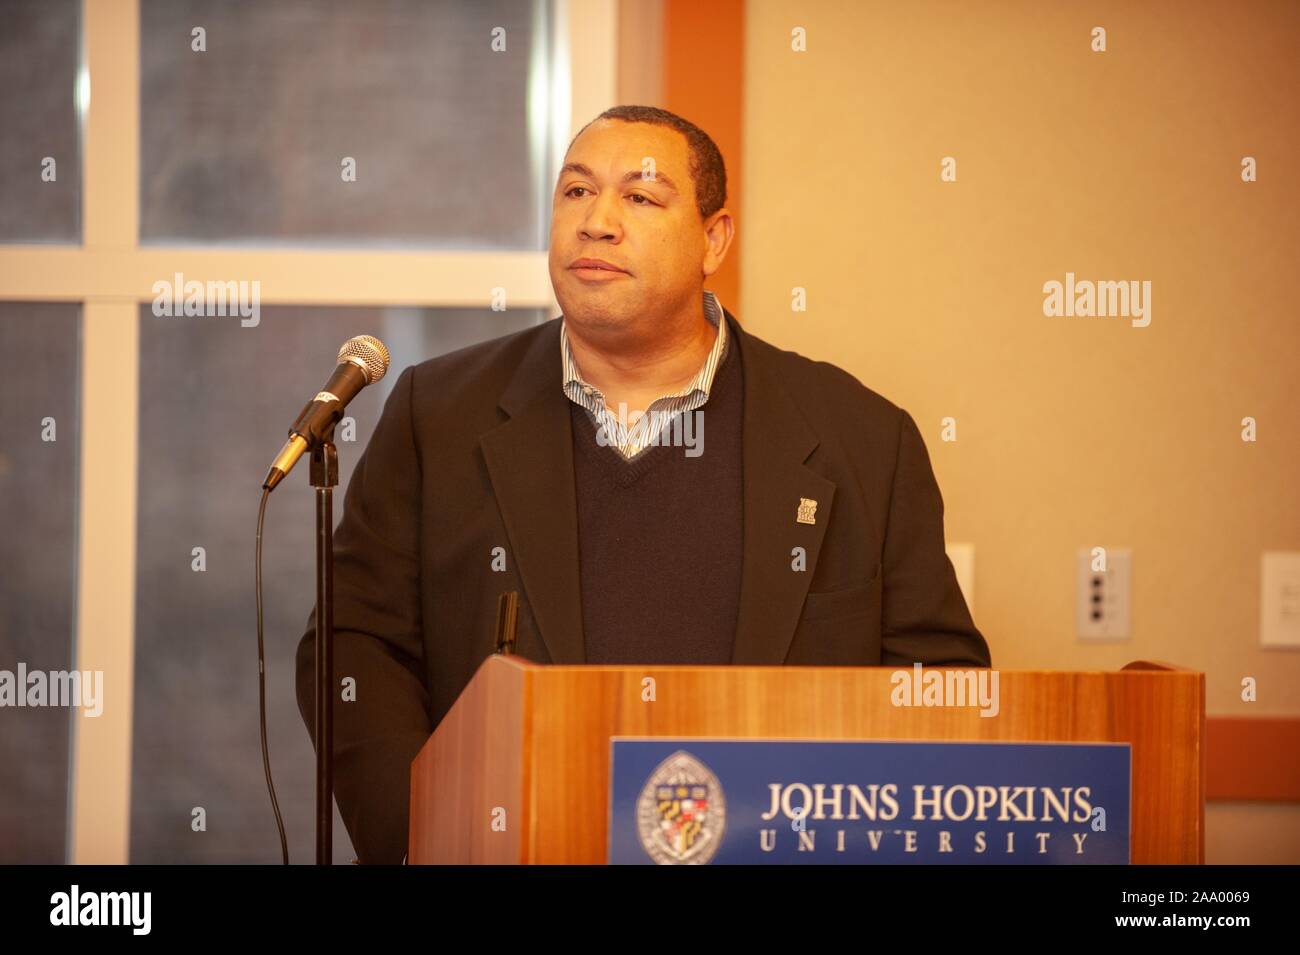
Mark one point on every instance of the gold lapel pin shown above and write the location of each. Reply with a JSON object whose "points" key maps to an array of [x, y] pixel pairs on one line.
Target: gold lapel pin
{"points": [[807, 511]]}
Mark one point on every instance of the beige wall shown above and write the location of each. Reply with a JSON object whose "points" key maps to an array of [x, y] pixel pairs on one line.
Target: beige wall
{"points": [[1071, 431]]}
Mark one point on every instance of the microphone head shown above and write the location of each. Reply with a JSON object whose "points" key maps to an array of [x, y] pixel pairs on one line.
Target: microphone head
{"points": [[367, 353]]}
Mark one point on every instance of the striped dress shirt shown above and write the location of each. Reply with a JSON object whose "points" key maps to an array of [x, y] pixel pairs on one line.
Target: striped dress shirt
{"points": [[632, 439]]}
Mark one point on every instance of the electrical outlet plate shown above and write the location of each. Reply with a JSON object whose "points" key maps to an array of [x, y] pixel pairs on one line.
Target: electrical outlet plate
{"points": [[1279, 599], [1102, 597]]}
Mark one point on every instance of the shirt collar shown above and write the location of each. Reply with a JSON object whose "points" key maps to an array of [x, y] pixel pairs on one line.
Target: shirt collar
{"points": [[703, 379]]}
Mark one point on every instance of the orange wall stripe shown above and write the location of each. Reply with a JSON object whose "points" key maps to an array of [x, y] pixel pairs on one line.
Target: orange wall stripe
{"points": [[1254, 758], [704, 81]]}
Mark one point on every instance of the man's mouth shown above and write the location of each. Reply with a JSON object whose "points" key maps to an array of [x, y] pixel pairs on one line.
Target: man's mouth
{"points": [[595, 265]]}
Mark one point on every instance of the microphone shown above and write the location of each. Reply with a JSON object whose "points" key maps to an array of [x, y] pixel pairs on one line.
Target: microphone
{"points": [[362, 361]]}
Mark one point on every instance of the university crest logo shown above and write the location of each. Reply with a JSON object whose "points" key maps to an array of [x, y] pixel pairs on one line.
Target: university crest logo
{"points": [[681, 812]]}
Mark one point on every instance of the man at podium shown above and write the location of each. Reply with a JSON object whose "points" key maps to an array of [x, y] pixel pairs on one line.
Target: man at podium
{"points": [[657, 484]]}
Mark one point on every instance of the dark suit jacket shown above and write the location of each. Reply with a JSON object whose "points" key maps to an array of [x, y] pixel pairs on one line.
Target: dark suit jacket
{"points": [[474, 451]]}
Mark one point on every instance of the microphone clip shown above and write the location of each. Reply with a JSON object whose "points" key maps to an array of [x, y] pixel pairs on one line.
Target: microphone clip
{"points": [[325, 463], [507, 622]]}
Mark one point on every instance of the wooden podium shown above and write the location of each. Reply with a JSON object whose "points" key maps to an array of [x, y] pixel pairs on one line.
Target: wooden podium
{"points": [[534, 741]]}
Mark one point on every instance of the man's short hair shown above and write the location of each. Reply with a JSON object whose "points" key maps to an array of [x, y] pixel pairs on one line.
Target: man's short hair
{"points": [[708, 171]]}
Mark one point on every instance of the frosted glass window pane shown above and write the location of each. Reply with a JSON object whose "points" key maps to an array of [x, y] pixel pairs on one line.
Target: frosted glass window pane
{"points": [[38, 546], [40, 200], [247, 141]]}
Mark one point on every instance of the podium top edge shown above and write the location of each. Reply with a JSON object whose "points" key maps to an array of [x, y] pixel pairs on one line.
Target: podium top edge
{"points": [[1143, 668]]}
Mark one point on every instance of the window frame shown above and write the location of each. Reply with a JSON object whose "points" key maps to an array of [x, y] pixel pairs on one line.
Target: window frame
{"points": [[110, 274]]}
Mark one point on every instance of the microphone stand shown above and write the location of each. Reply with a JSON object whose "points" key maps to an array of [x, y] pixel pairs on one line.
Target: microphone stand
{"points": [[324, 478]]}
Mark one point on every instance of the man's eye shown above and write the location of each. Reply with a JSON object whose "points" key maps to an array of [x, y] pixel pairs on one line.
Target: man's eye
{"points": [[574, 189], [645, 200]]}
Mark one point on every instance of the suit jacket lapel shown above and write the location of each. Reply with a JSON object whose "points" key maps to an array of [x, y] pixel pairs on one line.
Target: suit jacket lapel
{"points": [[530, 462], [777, 441]]}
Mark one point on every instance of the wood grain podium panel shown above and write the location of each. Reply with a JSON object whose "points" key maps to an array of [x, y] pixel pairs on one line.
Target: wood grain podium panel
{"points": [[473, 765], [534, 740]]}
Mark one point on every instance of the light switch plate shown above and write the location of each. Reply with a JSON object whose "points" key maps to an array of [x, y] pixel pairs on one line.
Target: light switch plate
{"points": [[1102, 598], [1279, 599]]}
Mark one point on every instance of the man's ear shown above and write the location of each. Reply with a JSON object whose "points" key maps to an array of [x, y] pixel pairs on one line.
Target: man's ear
{"points": [[719, 232]]}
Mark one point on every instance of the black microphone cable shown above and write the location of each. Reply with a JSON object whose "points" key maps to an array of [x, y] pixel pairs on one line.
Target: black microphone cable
{"points": [[261, 677]]}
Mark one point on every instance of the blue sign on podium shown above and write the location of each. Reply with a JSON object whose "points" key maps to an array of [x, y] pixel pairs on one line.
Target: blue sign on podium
{"points": [[693, 801]]}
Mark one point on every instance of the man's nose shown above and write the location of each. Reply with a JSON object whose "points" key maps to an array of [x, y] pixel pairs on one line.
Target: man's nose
{"points": [[602, 218]]}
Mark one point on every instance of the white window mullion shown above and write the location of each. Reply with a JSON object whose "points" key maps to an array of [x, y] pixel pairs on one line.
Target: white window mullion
{"points": [[99, 804]]}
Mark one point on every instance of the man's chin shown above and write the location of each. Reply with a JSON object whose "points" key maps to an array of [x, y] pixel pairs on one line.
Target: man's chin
{"points": [[615, 325], [595, 307], [594, 318]]}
